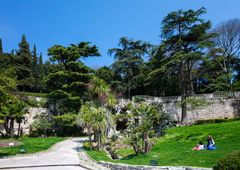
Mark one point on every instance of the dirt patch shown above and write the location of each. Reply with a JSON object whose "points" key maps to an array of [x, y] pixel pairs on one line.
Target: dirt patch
{"points": [[8, 142], [120, 145]]}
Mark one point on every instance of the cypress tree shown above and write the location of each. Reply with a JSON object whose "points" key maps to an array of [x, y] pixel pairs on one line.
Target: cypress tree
{"points": [[1, 49], [40, 59], [34, 55], [12, 52], [40, 66], [23, 54], [23, 61], [34, 62], [1, 55], [40, 69]]}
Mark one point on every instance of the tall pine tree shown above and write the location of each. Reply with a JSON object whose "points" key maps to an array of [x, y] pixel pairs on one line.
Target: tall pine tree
{"points": [[23, 63], [70, 83], [185, 35]]}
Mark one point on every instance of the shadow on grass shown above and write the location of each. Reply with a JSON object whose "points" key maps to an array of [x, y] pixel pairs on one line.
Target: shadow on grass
{"points": [[86, 148], [11, 151], [4, 154], [129, 157]]}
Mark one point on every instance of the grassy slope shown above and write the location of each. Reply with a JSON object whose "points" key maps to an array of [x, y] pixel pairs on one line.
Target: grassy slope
{"points": [[175, 147], [31, 145]]}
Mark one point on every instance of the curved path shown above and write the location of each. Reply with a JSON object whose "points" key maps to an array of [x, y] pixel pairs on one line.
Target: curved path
{"points": [[65, 155]]}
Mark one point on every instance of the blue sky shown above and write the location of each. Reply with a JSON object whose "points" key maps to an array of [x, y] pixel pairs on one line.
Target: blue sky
{"points": [[102, 22]]}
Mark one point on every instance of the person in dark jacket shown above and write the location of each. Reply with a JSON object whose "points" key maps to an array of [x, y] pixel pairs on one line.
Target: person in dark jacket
{"points": [[211, 144]]}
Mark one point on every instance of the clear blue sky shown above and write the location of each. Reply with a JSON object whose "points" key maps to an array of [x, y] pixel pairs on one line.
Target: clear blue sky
{"points": [[102, 22]]}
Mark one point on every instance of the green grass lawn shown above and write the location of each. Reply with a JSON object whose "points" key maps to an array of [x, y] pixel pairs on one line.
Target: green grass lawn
{"points": [[175, 147], [31, 145]]}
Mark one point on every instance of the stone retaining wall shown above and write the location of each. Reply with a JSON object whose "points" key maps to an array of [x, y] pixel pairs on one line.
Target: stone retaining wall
{"points": [[216, 109], [29, 117]]}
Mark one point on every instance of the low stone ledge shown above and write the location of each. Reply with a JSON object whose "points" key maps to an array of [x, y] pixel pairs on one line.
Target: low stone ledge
{"points": [[120, 166]]}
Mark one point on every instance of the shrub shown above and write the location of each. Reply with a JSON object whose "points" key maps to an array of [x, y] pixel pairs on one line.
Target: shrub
{"points": [[42, 125], [229, 162], [33, 102], [113, 154], [114, 137]]}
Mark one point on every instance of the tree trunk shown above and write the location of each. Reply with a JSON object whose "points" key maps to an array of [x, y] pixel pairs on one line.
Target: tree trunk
{"points": [[229, 73], [229, 81], [129, 90], [155, 92], [184, 109], [159, 129], [2, 133], [191, 89], [184, 90], [146, 143], [19, 127], [129, 93], [11, 127], [99, 139], [190, 78], [95, 137], [6, 125], [108, 123], [135, 149], [90, 141]]}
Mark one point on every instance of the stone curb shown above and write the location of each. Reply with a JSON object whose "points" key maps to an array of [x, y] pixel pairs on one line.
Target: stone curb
{"points": [[121, 166], [38, 166], [89, 162]]}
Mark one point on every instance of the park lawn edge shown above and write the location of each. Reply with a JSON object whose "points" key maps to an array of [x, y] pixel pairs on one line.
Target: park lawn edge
{"points": [[45, 150]]}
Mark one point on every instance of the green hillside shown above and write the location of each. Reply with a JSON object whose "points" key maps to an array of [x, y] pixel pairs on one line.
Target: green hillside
{"points": [[175, 147]]}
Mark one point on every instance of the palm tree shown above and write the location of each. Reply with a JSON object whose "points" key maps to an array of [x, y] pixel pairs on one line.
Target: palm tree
{"points": [[99, 123], [94, 120], [13, 110], [109, 104], [144, 116], [100, 88], [85, 119]]}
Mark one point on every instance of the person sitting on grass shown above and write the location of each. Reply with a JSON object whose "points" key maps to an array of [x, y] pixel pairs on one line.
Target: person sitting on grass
{"points": [[211, 144], [200, 146]]}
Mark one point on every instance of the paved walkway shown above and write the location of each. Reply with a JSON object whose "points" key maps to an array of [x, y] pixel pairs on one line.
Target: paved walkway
{"points": [[65, 155]]}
